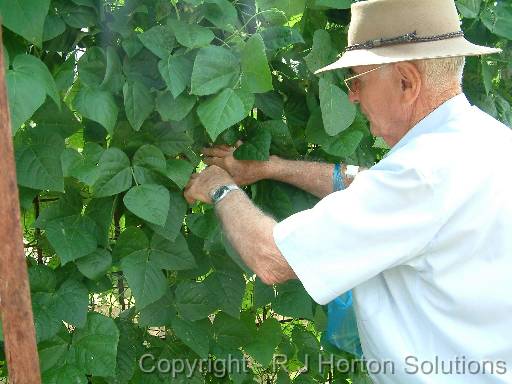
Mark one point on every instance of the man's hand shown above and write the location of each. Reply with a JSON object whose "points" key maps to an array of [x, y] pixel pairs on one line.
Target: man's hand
{"points": [[201, 184], [244, 172]]}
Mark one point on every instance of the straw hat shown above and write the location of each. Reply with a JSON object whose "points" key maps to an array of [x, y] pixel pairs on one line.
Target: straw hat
{"points": [[389, 31]]}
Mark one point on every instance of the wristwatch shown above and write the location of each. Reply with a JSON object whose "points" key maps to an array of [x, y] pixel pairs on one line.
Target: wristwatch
{"points": [[221, 192]]}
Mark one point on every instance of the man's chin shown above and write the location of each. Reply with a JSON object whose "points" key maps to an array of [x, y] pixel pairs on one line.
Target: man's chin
{"points": [[374, 130]]}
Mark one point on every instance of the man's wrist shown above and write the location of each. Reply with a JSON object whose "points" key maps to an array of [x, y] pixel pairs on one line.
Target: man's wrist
{"points": [[270, 167], [220, 192], [225, 201]]}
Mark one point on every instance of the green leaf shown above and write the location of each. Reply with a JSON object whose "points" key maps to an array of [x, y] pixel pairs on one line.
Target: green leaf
{"points": [[149, 202], [321, 52], [177, 209], [264, 344], [95, 345], [52, 119], [220, 112], [256, 148], [341, 145], [70, 158], [486, 75], [176, 71], [26, 196], [85, 3], [293, 300], [138, 103], [96, 264], [72, 301], [279, 37], [215, 68], [289, 7], [271, 104], [171, 139], [51, 353], [130, 242], [231, 333], [194, 334], [345, 144], [70, 204], [145, 278], [282, 140], [263, 293], [64, 74], [132, 45], [42, 278], [336, 4], [64, 374], [46, 320], [150, 157], [256, 76], [498, 19], [38, 163], [78, 17], [231, 287], [176, 109], [144, 68], [72, 237], [380, 143], [97, 105], [7, 62], [53, 26], [194, 300], [191, 35], [247, 99], [114, 173], [338, 112], [222, 14], [171, 255], [320, 319], [158, 40], [92, 67], [27, 84], [469, 8], [101, 211], [308, 347], [160, 313], [87, 170], [202, 225], [25, 17], [114, 78], [179, 171]]}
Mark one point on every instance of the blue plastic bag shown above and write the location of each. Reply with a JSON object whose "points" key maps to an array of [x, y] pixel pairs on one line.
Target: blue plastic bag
{"points": [[342, 326]]}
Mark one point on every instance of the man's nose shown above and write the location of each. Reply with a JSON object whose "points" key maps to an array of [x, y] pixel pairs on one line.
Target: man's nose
{"points": [[353, 97]]}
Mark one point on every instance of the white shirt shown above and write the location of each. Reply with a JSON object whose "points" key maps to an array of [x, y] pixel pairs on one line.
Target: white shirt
{"points": [[425, 240]]}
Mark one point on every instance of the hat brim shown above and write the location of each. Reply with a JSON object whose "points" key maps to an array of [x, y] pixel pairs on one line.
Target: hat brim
{"points": [[405, 52]]}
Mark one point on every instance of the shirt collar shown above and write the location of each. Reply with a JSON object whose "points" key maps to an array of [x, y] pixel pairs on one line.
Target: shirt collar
{"points": [[433, 121]]}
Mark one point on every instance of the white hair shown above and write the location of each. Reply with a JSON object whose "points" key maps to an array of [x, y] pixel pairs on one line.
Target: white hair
{"points": [[440, 74]]}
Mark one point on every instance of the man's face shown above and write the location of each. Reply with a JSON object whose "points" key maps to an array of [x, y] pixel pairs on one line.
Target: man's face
{"points": [[378, 95]]}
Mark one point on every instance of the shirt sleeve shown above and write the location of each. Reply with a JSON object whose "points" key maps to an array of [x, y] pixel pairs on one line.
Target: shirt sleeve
{"points": [[385, 218]]}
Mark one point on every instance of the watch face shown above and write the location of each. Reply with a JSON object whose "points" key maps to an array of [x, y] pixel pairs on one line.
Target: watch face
{"points": [[219, 192]]}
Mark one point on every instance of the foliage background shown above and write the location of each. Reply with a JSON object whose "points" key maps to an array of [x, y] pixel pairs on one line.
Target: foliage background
{"points": [[111, 102]]}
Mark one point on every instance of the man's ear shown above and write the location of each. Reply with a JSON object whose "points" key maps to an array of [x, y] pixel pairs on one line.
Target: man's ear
{"points": [[410, 81]]}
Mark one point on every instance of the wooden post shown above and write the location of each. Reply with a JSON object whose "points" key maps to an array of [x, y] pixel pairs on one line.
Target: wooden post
{"points": [[15, 305]]}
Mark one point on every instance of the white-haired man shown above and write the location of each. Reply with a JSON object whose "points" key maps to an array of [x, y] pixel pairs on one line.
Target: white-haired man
{"points": [[424, 237]]}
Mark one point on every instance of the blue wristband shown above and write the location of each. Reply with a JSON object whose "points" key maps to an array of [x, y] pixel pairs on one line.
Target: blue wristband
{"points": [[338, 183]]}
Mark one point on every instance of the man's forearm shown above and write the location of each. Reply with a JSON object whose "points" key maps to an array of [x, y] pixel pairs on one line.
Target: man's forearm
{"points": [[250, 232], [312, 177]]}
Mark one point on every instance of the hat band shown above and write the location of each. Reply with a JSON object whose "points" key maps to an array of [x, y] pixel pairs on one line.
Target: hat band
{"points": [[403, 39]]}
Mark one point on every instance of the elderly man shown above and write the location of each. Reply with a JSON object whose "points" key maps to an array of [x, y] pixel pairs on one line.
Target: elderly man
{"points": [[424, 237]]}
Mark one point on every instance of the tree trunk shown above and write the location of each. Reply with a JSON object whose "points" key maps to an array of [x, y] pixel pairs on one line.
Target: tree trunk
{"points": [[15, 304]]}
